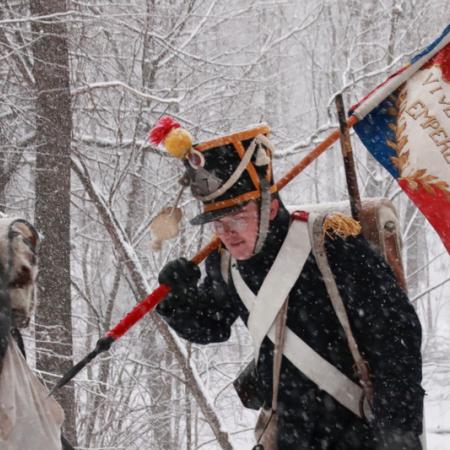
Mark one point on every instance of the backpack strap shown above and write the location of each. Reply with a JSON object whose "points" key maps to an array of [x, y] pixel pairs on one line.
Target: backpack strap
{"points": [[361, 367], [280, 333]]}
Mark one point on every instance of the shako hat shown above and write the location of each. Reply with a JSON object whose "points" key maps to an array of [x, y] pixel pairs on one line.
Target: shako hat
{"points": [[224, 173]]}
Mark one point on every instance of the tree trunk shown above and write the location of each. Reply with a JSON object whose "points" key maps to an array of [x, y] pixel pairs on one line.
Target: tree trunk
{"points": [[53, 129]]}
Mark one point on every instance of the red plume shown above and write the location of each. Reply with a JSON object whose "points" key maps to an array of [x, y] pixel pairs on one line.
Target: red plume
{"points": [[162, 128]]}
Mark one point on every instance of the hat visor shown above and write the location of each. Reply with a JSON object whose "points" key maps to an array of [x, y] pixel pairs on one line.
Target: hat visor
{"points": [[211, 216]]}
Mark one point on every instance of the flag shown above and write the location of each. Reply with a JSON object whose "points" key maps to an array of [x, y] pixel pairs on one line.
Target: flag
{"points": [[405, 124]]}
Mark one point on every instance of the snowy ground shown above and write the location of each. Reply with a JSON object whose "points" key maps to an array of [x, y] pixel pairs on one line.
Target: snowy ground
{"points": [[436, 373], [437, 407], [437, 387]]}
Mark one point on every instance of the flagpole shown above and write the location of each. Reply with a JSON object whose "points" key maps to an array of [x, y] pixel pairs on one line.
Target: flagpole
{"points": [[349, 163], [160, 293]]}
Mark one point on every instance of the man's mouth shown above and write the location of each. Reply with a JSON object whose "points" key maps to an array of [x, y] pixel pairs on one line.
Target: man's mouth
{"points": [[236, 244]]}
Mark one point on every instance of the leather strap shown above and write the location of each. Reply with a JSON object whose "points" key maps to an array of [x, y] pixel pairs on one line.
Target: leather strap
{"points": [[280, 333], [361, 367]]}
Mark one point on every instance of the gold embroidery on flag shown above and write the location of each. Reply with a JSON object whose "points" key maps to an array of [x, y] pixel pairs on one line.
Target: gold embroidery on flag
{"points": [[419, 178]]}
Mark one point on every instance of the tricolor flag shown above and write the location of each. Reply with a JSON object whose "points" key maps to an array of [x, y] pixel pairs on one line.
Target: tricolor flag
{"points": [[405, 124]]}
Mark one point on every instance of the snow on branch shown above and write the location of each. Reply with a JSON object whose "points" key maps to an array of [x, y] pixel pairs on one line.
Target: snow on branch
{"points": [[305, 144], [119, 84], [48, 18], [109, 144], [430, 289]]}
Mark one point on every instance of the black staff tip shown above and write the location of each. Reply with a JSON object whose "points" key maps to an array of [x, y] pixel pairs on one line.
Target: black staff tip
{"points": [[103, 345]]}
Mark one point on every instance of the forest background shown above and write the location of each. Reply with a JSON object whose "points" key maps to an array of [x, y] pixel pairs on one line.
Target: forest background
{"points": [[82, 82]]}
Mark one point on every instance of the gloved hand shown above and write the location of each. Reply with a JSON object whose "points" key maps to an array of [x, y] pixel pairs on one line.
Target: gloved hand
{"points": [[180, 274]]}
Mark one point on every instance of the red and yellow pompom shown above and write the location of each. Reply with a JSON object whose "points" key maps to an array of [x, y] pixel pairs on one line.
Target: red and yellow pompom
{"points": [[176, 140]]}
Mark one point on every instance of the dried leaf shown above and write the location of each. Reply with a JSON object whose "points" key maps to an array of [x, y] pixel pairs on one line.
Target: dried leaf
{"points": [[420, 173], [395, 161], [391, 144], [401, 143], [412, 184], [403, 160], [401, 128], [392, 126], [392, 111], [441, 185]]}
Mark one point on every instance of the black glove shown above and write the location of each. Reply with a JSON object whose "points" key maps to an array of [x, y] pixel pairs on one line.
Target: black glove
{"points": [[180, 275], [249, 388]]}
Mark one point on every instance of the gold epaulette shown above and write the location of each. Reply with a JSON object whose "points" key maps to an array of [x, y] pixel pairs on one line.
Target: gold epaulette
{"points": [[337, 224]]}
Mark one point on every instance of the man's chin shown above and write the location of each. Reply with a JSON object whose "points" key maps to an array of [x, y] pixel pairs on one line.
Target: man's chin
{"points": [[240, 254], [242, 258]]}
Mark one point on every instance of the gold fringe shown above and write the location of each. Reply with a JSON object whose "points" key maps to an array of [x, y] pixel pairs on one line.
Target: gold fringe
{"points": [[337, 224]]}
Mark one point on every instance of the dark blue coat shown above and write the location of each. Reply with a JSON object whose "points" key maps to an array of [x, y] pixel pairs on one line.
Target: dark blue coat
{"points": [[383, 322]]}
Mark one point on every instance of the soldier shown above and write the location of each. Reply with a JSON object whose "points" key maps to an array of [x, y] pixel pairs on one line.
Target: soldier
{"points": [[271, 260]]}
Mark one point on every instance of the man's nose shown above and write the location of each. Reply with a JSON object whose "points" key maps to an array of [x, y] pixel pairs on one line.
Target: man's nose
{"points": [[228, 228]]}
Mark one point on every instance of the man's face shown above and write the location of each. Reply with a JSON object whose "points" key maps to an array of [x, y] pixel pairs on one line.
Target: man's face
{"points": [[239, 231]]}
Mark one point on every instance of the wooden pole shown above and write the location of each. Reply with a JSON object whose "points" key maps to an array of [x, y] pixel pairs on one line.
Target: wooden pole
{"points": [[349, 164]]}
